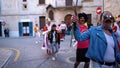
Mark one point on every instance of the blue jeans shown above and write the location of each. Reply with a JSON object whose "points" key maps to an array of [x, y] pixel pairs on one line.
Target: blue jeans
{"points": [[54, 48]]}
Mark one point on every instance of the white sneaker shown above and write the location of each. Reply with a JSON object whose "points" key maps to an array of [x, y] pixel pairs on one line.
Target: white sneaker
{"points": [[53, 58], [43, 48], [73, 40]]}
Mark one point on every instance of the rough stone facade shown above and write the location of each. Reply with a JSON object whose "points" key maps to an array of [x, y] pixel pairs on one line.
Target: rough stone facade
{"points": [[112, 6], [12, 11]]}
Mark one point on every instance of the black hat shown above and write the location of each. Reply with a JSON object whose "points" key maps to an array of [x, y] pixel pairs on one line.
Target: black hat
{"points": [[83, 15]]}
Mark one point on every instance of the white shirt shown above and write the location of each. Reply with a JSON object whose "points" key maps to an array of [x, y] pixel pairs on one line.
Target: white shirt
{"points": [[48, 27], [63, 26], [109, 54], [54, 36]]}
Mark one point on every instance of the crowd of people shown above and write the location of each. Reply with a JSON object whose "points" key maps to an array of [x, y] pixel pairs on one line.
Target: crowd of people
{"points": [[97, 46], [103, 42], [52, 35]]}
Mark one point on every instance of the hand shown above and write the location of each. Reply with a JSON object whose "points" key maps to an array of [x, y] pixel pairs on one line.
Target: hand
{"points": [[74, 19]]}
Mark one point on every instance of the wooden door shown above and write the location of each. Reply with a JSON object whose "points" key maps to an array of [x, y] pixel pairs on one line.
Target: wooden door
{"points": [[25, 29], [42, 22]]}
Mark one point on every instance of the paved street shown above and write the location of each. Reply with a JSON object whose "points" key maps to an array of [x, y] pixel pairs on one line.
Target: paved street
{"points": [[27, 54], [5, 55]]}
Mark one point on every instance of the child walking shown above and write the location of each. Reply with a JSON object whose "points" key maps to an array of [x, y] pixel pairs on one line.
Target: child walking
{"points": [[54, 39]]}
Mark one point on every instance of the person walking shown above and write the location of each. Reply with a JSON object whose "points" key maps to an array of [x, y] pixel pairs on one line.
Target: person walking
{"points": [[36, 29], [54, 39], [37, 33], [82, 46], [103, 48], [46, 29], [6, 32], [63, 29]]}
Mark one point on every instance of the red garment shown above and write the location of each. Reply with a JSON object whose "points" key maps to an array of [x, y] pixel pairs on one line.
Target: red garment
{"points": [[61, 36], [45, 28], [114, 28], [83, 44]]}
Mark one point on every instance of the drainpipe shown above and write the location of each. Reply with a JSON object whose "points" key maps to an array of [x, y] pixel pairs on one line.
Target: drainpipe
{"points": [[103, 5], [55, 3]]}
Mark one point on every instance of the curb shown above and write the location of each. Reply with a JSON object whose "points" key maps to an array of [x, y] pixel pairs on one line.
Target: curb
{"points": [[5, 55]]}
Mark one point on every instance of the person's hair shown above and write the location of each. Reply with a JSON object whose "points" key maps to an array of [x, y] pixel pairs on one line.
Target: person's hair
{"points": [[118, 21], [83, 15], [36, 24], [48, 22], [118, 15], [101, 16], [62, 22], [53, 25], [58, 24]]}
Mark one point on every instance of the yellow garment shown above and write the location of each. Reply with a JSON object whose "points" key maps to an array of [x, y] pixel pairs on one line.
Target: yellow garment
{"points": [[36, 29], [86, 24]]}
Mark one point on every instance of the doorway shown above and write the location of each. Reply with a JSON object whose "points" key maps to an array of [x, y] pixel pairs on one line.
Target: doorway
{"points": [[25, 29], [89, 18], [42, 22], [89, 23]]}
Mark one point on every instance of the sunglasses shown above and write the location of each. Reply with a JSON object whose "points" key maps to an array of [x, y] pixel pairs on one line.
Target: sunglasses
{"points": [[108, 17]]}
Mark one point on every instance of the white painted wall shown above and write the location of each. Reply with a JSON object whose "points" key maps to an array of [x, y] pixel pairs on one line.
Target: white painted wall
{"points": [[12, 11], [9, 7]]}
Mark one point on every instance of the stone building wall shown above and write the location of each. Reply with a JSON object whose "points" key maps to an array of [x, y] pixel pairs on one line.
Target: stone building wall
{"points": [[12, 11], [112, 6]]}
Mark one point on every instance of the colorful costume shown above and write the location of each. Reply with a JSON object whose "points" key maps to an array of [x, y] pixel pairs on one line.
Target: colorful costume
{"points": [[45, 40]]}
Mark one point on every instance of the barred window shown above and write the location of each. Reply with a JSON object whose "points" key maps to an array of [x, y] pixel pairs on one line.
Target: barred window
{"points": [[24, 0], [51, 15], [41, 1], [24, 6], [69, 2]]}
